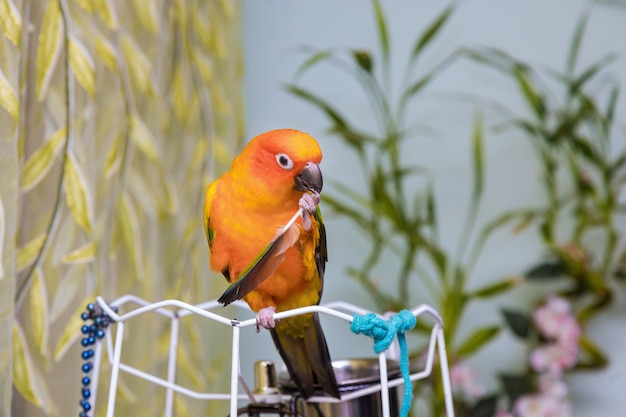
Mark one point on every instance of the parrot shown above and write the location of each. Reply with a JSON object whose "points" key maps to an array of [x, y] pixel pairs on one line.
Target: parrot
{"points": [[267, 237]]}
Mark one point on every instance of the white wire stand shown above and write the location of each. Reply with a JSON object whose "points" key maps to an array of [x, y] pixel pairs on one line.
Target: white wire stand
{"points": [[175, 310]]}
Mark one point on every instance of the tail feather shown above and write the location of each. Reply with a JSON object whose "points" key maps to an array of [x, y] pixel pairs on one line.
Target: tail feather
{"points": [[307, 360]]}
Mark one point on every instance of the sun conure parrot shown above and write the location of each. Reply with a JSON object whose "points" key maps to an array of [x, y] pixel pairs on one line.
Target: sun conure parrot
{"points": [[266, 236]]}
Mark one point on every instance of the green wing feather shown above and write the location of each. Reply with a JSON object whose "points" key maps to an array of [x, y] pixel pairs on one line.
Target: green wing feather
{"points": [[272, 255]]}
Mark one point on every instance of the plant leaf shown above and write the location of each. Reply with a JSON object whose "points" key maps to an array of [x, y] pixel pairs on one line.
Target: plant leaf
{"points": [[533, 98], [579, 32], [77, 194], [314, 59], [83, 66], [40, 162], [547, 270], [484, 407], [8, 99], [71, 333], [383, 33], [519, 322], [478, 157], [81, 255], [10, 21], [496, 288], [516, 385], [363, 59], [29, 251], [39, 311], [431, 32], [142, 138], [48, 47], [476, 340]]}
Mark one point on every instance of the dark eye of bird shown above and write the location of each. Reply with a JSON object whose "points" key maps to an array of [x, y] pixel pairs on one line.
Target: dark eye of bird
{"points": [[284, 161]]}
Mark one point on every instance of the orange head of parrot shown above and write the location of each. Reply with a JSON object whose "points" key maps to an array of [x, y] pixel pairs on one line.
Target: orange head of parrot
{"points": [[281, 164]]}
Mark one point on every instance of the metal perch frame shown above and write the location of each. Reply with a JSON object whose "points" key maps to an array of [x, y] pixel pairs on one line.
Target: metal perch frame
{"points": [[182, 309]]}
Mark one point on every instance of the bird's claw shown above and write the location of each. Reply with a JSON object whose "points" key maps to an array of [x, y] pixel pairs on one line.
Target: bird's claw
{"points": [[265, 318], [307, 203]]}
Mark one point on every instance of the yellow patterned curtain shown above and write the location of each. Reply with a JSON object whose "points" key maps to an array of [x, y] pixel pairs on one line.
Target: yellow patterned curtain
{"points": [[114, 116]]}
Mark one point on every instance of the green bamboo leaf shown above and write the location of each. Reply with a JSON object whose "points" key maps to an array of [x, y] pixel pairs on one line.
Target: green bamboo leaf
{"points": [[71, 333], [8, 98], [431, 32], [383, 33], [478, 156], [40, 162], [313, 60], [2, 232], [106, 52], [519, 322], [82, 65], [320, 103], [142, 138], [476, 340], [128, 225], [516, 385], [81, 255], [148, 14], [27, 253], [77, 194], [48, 47], [10, 21], [39, 311], [107, 12], [139, 66], [484, 407], [496, 288], [579, 32], [532, 96], [363, 59]]}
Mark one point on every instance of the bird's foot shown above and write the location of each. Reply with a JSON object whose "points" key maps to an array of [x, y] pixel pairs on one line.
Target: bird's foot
{"points": [[307, 203], [265, 318]]}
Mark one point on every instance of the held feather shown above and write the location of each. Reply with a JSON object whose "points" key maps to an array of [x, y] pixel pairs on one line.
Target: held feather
{"points": [[265, 263]]}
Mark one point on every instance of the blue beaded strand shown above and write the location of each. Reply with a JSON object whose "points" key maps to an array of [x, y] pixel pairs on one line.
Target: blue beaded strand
{"points": [[92, 332]]}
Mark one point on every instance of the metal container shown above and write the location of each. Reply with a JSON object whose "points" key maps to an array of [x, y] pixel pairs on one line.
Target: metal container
{"points": [[352, 375]]}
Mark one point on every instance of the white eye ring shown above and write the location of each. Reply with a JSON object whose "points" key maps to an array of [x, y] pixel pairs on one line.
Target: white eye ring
{"points": [[284, 161]]}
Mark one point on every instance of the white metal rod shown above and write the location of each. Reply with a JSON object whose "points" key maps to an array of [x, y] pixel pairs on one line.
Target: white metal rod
{"points": [[171, 366], [95, 373], [384, 387], [115, 368], [234, 372], [445, 373]]}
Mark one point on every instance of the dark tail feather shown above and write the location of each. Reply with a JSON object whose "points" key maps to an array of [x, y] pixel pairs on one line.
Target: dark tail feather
{"points": [[307, 360]]}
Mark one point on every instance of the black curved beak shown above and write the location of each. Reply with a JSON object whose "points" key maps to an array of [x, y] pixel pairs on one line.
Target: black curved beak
{"points": [[310, 178]]}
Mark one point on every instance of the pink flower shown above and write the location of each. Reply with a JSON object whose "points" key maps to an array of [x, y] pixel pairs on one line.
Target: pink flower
{"points": [[463, 381], [538, 405], [554, 320], [553, 358], [553, 386]]}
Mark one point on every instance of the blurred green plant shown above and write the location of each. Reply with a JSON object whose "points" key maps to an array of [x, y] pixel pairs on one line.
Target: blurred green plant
{"points": [[570, 123], [395, 222], [582, 178], [113, 117]]}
